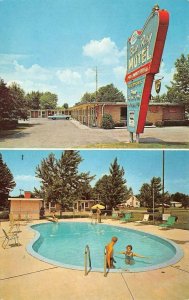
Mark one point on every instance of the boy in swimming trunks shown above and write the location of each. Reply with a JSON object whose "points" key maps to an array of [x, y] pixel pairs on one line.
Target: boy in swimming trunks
{"points": [[109, 253], [129, 254]]}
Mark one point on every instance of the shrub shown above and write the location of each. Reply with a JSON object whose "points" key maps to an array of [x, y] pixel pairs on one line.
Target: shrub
{"points": [[120, 124], [148, 123], [176, 122], [159, 123], [4, 215], [107, 122]]}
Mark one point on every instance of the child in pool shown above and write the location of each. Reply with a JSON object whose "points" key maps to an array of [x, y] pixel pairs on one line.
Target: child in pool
{"points": [[110, 252], [129, 254]]}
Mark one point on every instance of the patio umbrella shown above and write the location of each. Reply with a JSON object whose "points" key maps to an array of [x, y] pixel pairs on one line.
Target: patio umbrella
{"points": [[100, 206]]}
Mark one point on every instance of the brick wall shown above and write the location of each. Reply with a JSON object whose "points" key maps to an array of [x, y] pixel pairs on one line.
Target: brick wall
{"points": [[25, 208]]}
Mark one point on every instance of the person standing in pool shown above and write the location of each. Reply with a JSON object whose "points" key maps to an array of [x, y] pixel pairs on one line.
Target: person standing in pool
{"points": [[129, 254], [110, 252]]}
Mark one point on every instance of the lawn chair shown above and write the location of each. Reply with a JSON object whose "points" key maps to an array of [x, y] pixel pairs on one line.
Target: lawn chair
{"points": [[169, 223], [13, 224], [126, 218], [104, 216], [27, 218], [145, 219], [115, 216], [9, 237]]}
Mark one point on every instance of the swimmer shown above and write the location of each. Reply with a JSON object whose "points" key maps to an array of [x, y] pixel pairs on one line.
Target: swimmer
{"points": [[53, 218], [109, 253], [129, 254]]}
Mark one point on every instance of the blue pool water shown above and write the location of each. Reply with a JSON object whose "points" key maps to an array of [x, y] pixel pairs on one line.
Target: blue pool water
{"points": [[64, 244]]}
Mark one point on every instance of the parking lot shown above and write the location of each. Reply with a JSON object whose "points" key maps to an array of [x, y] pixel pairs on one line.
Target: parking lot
{"points": [[44, 133]]}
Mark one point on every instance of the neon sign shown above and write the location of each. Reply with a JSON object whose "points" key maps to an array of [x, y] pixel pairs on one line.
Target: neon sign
{"points": [[144, 52]]}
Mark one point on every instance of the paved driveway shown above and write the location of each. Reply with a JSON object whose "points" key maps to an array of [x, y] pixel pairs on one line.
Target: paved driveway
{"points": [[44, 133]]}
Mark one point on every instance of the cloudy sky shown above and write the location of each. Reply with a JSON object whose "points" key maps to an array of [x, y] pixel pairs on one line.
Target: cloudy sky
{"points": [[139, 165], [55, 45]]}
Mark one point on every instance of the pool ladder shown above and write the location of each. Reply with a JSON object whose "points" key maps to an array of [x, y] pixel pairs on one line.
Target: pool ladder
{"points": [[87, 260], [105, 263]]}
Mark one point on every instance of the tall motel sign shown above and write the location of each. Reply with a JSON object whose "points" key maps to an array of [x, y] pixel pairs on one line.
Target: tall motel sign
{"points": [[144, 53]]}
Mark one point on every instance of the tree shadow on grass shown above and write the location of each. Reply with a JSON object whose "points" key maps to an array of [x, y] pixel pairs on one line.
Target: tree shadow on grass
{"points": [[164, 144]]}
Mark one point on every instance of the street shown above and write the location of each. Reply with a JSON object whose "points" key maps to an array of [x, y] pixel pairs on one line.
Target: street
{"points": [[44, 133]]}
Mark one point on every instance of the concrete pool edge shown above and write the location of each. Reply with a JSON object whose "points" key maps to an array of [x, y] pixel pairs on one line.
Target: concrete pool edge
{"points": [[175, 259]]}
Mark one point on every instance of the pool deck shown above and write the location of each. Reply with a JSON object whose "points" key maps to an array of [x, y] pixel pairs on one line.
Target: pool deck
{"points": [[24, 277]]}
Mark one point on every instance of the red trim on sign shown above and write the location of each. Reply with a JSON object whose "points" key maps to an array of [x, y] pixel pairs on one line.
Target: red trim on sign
{"points": [[144, 69], [160, 40]]}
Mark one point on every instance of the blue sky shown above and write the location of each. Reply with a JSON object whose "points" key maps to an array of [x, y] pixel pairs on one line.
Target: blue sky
{"points": [[139, 165], [55, 45]]}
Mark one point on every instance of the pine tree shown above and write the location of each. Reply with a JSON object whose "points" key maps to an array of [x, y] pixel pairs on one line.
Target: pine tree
{"points": [[111, 189], [118, 188], [7, 182], [101, 190]]}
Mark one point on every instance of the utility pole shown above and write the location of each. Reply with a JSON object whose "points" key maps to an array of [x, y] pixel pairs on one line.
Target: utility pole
{"points": [[96, 70], [153, 201], [163, 169]]}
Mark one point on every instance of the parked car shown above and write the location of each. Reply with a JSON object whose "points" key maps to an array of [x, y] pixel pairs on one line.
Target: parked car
{"points": [[59, 117]]}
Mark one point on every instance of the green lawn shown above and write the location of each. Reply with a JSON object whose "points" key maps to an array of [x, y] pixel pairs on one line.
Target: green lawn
{"points": [[141, 145], [181, 213]]}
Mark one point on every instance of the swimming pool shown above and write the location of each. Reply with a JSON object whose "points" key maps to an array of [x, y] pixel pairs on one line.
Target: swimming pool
{"points": [[63, 244]]}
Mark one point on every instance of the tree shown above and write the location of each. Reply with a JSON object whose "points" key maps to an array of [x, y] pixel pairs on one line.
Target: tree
{"points": [[118, 188], [88, 97], [33, 100], [150, 190], [145, 194], [101, 189], [60, 180], [160, 98], [7, 182], [65, 106], [19, 102], [6, 104], [112, 188], [179, 89], [109, 93], [180, 197], [48, 100]]}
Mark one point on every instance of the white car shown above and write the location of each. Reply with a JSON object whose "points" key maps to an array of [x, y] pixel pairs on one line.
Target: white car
{"points": [[59, 117]]}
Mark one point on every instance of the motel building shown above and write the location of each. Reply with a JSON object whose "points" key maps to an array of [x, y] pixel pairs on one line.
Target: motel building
{"points": [[26, 208], [91, 114], [44, 113]]}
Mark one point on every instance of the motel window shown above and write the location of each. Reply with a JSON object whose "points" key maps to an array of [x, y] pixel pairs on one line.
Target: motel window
{"points": [[86, 204], [123, 113]]}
